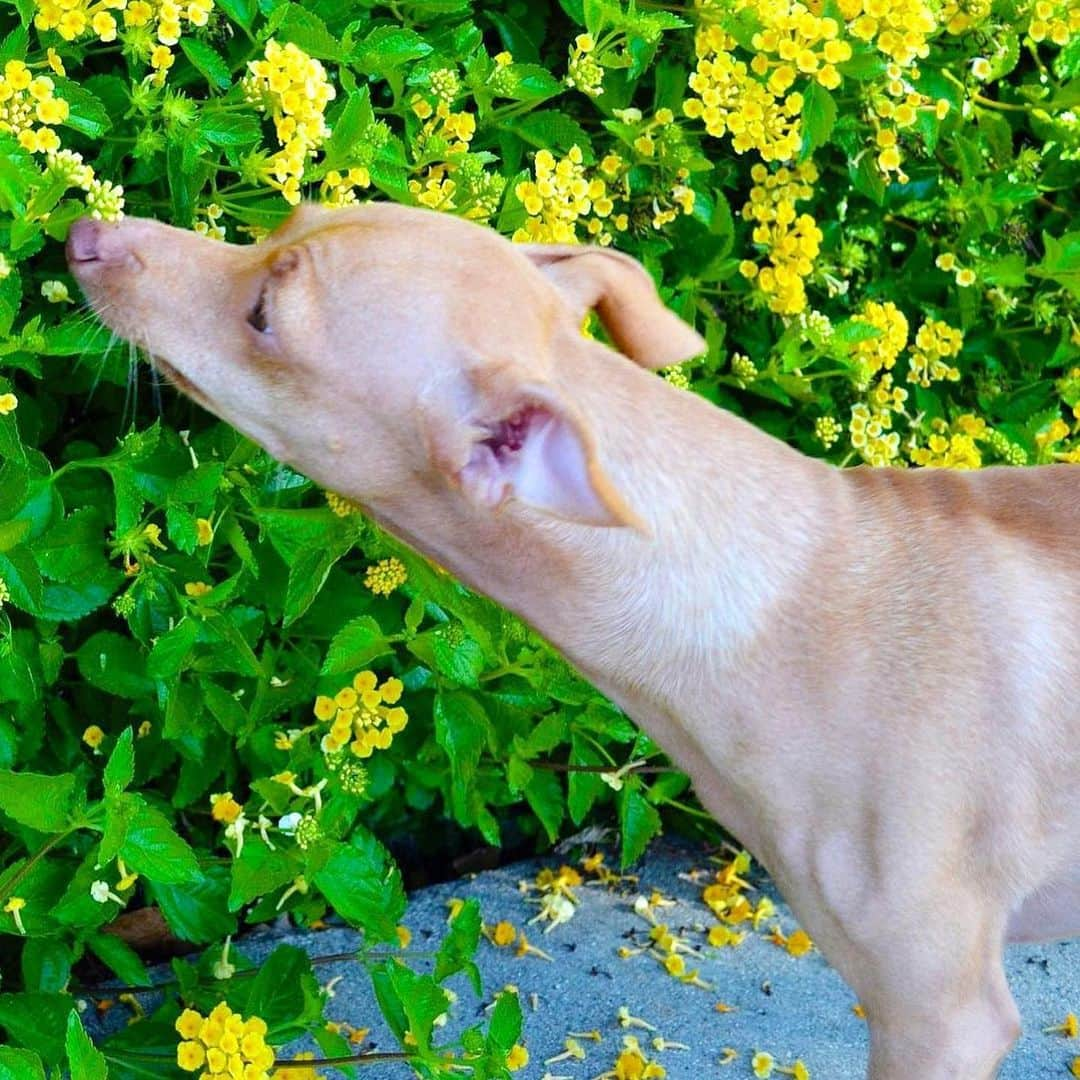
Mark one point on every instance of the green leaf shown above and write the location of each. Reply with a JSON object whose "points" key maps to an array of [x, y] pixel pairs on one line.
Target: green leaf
{"points": [[355, 119], [113, 663], [37, 1021], [307, 575], [152, 848], [45, 803], [229, 128], [120, 958], [87, 114], [167, 657], [551, 129], [197, 909], [410, 1003], [461, 729], [458, 946], [240, 11], [208, 61], [85, 1061], [1061, 263], [363, 885], [354, 647], [544, 794], [818, 117], [284, 988], [387, 48], [120, 768], [46, 963], [639, 821], [258, 871], [16, 1064], [291, 22], [504, 1028]]}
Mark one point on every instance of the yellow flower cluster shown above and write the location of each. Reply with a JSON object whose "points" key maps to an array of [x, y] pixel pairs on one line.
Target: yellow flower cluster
{"points": [[792, 241], [1055, 22], [935, 343], [898, 28], [338, 189], [959, 16], [583, 71], [880, 353], [28, 108], [560, 197], [872, 434], [385, 576], [223, 1044], [294, 89], [72, 19], [725, 896], [797, 42], [732, 100], [104, 199], [359, 716], [8, 403], [947, 450], [894, 111], [341, 506], [444, 132]]}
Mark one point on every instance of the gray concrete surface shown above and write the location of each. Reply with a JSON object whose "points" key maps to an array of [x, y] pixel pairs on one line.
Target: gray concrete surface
{"points": [[792, 1007]]}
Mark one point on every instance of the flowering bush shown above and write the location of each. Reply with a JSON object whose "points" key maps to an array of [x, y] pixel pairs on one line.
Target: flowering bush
{"points": [[219, 686]]}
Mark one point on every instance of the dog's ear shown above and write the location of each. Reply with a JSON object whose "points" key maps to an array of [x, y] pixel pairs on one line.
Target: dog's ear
{"points": [[623, 295], [510, 438]]}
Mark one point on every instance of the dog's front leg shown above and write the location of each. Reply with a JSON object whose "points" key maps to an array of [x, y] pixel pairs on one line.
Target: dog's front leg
{"points": [[925, 959]]}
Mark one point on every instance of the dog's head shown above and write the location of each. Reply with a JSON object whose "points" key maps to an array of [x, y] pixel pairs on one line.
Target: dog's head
{"points": [[377, 346]]}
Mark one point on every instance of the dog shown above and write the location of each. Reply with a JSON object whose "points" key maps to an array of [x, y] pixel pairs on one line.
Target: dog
{"points": [[872, 677]]}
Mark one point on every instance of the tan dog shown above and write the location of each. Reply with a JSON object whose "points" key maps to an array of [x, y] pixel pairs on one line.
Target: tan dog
{"points": [[872, 677]]}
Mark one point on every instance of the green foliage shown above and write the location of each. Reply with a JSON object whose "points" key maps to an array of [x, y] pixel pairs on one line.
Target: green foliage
{"points": [[174, 604]]}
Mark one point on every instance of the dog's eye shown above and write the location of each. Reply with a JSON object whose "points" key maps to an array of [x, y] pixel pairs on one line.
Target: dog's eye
{"points": [[257, 316]]}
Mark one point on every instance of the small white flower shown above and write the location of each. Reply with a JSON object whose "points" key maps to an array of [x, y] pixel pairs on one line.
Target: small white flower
{"points": [[101, 893], [223, 969], [288, 823]]}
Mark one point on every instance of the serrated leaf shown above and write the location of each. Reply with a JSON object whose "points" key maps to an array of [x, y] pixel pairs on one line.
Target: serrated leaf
{"points": [[818, 117], [41, 802], [18, 1064], [283, 989], [355, 646], [167, 657], [85, 1061], [387, 48], [208, 61], [461, 729], [1061, 263], [363, 885], [196, 909], [120, 958], [37, 1021], [410, 1003], [458, 946], [113, 663], [152, 847], [291, 22], [87, 114], [120, 768], [639, 822]]}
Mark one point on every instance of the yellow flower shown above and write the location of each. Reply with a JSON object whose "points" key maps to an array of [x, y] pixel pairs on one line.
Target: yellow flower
{"points": [[385, 576], [8, 404], [196, 589], [504, 933], [14, 907], [204, 532], [799, 943], [224, 808], [518, 1058], [93, 736], [190, 1056], [55, 62], [763, 1064]]}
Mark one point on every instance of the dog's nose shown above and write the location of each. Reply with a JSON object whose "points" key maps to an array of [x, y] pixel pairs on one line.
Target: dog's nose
{"points": [[84, 241]]}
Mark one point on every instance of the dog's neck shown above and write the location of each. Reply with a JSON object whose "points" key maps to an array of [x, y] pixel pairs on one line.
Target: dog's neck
{"points": [[734, 516]]}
